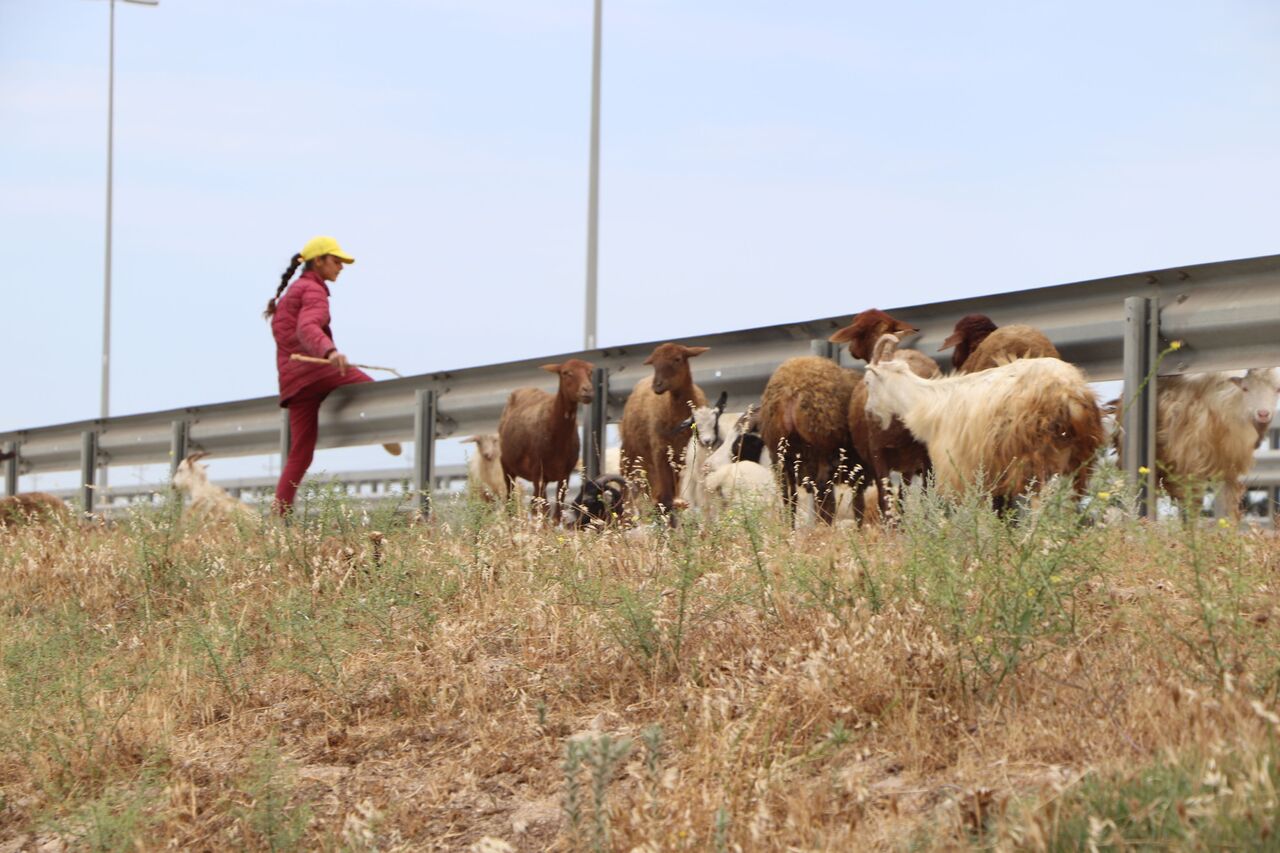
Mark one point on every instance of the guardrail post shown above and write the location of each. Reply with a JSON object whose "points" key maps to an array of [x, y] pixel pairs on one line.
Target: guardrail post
{"points": [[825, 349], [177, 447], [11, 471], [593, 431], [1141, 350], [88, 467], [424, 447]]}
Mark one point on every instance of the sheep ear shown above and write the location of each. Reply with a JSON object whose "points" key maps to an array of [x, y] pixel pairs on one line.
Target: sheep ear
{"points": [[551, 368], [885, 348], [690, 352], [722, 402], [843, 336], [649, 360], [905, 329], [1237, 381], [952, 339]]}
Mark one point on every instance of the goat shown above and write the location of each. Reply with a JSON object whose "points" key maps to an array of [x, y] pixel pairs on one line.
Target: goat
{"points": [[484, 468], [710, 425], [653, 430], [599, 502], [981, 344], [804, 421], [32, 508], [891, 448], [192, 477], [1017, 424], [538, 431], [1207, 428]]}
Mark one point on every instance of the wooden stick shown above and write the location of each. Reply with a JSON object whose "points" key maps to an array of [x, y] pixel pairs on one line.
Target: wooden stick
{"points": [[311, 359]]}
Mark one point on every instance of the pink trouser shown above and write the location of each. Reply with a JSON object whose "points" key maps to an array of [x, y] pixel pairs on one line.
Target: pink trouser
{"points": [[304, 417]]}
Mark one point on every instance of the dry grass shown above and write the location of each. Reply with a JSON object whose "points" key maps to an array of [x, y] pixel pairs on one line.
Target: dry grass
{"points": [[958, 682]]}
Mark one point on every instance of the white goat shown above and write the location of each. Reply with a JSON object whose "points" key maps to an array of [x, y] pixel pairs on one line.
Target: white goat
{"points": [[484, 468], [1018, 424], [192, 477]]}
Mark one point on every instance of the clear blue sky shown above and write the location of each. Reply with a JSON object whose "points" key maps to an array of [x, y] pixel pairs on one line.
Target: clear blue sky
{"points": [[761, 162]]}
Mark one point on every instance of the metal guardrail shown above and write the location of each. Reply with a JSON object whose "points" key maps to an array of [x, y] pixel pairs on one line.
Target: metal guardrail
{"points": [[1226, 314]]}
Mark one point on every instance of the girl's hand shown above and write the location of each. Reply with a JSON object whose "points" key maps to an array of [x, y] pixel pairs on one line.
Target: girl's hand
{"points": [[339, 361]]}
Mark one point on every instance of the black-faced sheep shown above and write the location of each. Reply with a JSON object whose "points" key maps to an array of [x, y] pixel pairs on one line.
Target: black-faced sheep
{"points": [[1015, 425], [538, 431], [654, 430], [981, 345]]}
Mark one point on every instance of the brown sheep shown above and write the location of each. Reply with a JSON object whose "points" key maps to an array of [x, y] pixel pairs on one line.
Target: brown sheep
{"points": [[654, 430], [804, 421], [538, 432], [883, 449], [32, 507], [981, 345]]}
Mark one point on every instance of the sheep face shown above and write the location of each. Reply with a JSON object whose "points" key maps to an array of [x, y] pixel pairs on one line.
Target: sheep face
{"points": [[1260, 389], [486, 445], [191, 473], [575, 379], [867, 328], [670, 364], [971, 330]]}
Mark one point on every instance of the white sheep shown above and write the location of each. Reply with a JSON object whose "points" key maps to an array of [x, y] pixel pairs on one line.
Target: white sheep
{"points": [[1017, 425], [192, 477], [484, 468]]}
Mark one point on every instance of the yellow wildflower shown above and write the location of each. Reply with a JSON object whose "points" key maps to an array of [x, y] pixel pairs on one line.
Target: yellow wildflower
{"points": [[1104, 496], [1144, 470], [1175, 345], [1224, 523]]}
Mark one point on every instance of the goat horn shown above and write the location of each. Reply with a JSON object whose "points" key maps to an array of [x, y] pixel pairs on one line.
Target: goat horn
{"points": [[885, 348], [722, 402], [196, 457]]}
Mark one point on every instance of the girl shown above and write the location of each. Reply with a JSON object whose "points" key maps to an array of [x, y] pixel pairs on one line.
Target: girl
{"points": [[300, 324]]}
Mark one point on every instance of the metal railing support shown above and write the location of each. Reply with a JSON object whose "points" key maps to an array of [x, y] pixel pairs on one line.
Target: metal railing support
{"points": [[177, 446], [1141, 351], [593, 431], [88, 468], [11, 470], [424, 448], [825, 349]]}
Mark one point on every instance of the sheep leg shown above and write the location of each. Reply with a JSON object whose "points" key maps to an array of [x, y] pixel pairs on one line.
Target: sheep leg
{"points": [[562, 492], [666, 493], [789, 493], [824, 495]]}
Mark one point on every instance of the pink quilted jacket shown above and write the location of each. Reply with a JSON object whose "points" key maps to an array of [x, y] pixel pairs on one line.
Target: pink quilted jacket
{"points": [[301, 324]]}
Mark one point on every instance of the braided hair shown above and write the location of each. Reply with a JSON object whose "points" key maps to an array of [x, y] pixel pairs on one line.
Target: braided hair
{"points": [[294, 263]]}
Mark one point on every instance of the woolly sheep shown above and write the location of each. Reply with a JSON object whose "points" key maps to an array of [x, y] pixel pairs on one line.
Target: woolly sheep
{"points": [[33, 508], [980, 344]]}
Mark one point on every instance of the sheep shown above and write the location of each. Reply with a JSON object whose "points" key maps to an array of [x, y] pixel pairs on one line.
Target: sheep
{"points": [[741, 483], [981, 345], [1017, 424], [804, 418], [654, 431], [32, 507], [538, 431], [484, 468], [1207, 428], [892, 448], [192, 478]]}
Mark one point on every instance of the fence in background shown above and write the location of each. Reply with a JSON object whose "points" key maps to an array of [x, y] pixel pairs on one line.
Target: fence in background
{"points": [[1226, 314]]}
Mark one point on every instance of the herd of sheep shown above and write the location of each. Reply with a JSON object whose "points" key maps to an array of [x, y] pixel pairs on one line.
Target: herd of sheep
{"points": [[1009, 418]]}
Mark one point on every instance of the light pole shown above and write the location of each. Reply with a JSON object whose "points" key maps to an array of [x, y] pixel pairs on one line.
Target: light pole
{"points": [[106, 267], [593, 191]]}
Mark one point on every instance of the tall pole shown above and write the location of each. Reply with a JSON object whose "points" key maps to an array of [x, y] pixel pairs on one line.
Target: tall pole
{"points": [[106, 274], [593, 192]]}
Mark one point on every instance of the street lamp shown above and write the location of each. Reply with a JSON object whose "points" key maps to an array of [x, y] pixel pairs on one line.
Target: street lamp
{"points": [[593, 191], [106, 273]]}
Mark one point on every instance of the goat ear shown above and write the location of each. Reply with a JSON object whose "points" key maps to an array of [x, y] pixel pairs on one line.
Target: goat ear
{"points": [[690, 352], [885, 348], [193, 458], [844, 336], [722, 402], [551, 368]]}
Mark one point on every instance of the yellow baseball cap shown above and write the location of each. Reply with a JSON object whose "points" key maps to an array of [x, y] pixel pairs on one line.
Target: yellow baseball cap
{"points": [[320, 246]]}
